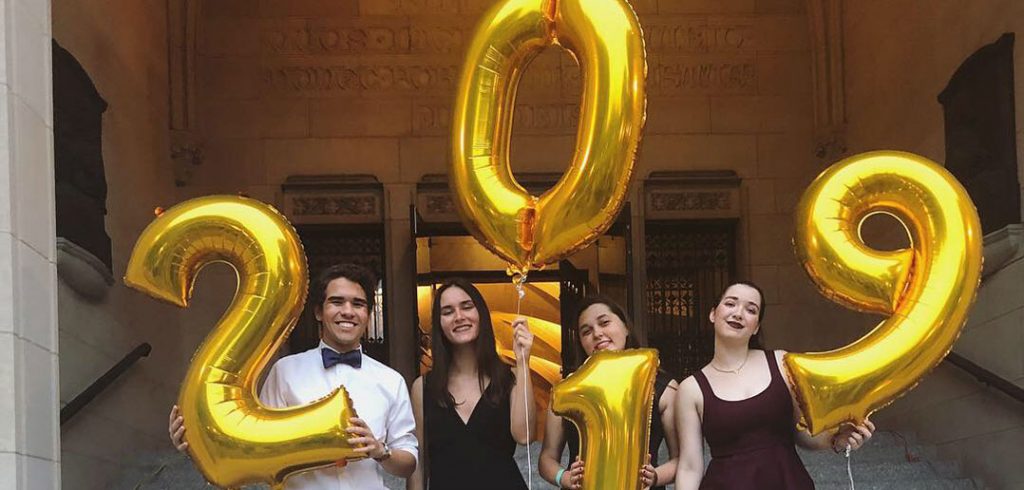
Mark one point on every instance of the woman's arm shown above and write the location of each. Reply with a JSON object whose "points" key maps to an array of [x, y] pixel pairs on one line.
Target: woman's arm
{"points": [[419, 477], [523, 409], [667, 406], [550, 460], [690, 469]]}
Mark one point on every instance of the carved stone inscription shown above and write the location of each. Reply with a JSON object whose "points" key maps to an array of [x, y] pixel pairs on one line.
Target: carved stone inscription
{"points": [[336, 38], [672, 76], [316, 79], [699, 75], [435, 118], [340, 37], [697, 36]]}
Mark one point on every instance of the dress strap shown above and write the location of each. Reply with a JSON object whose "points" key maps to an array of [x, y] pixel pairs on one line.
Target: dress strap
{"points": [[705, 386], [773, 365]]}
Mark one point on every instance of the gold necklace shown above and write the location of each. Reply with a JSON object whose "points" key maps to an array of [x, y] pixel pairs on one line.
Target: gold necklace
{"points": [[730, 371]]}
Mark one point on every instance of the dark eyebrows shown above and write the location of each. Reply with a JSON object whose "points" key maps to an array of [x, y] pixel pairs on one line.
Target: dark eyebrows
{"points": [[343, 298], [734, 298]]}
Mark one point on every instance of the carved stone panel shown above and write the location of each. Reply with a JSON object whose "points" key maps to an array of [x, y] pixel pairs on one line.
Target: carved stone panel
{"points": [[331, 200], [692, 195]]}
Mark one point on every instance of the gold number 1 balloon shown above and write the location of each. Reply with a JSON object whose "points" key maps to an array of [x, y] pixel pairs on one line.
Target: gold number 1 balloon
{"points": [[233, 439], [528, 231], [926, 290], [610, 399]]}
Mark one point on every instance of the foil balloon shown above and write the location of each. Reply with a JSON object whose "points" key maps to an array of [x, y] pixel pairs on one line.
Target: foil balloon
{"points": [[926, 290], [233, 439], [609, 399], [529, 231]]}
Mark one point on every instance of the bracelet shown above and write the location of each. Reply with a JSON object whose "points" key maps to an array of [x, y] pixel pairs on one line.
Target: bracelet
{"points": [[558, 477]]}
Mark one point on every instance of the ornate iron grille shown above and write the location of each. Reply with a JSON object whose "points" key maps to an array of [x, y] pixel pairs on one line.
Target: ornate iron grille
{"points": [[688, 264]]}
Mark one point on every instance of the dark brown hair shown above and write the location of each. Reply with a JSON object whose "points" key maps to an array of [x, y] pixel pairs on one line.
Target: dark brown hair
{"points": [[488, 363], [355, 273]]}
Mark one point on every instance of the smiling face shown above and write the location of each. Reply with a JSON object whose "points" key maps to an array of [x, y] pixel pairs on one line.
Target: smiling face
{"points": [[601, 329], [737, 316], [344, 314], [460, 319]]}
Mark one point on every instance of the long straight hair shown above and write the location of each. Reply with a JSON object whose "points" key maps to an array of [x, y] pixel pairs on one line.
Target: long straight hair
{"points": [[488, 364]]}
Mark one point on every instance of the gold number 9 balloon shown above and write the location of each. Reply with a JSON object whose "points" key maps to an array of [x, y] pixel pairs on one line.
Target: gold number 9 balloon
{"points": [[926, 290], [232, 438], [528, 231], [610, 399]]}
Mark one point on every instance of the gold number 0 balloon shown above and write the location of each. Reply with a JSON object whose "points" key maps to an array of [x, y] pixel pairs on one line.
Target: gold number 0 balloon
{"points": [[232, 438], [610, 399], [925, 290], [605, 38]]}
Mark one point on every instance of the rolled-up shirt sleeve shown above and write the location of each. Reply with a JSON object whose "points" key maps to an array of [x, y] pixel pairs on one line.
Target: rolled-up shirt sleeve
{"points": [[401, 426]]}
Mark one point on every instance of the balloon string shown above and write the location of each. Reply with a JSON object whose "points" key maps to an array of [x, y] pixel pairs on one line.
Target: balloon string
{"points": [[849, 469], [520, 293]]}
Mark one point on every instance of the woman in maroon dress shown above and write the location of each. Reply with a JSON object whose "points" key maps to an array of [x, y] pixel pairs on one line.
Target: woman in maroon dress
{"points": [[742, 404]]}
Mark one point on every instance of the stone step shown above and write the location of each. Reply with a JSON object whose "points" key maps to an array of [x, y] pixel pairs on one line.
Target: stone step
{"points": [[880, 465], [884, 472], [882, 447], [925, 484]]}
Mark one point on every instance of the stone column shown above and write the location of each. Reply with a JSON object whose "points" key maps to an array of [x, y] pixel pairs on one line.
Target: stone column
{"points": [[401, 279], [29, 430]]}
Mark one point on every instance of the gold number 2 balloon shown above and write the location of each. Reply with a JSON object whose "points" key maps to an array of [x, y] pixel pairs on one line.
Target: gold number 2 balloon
{"points": [[528, 231], [233, 439], [610, 399], [926, 290]]}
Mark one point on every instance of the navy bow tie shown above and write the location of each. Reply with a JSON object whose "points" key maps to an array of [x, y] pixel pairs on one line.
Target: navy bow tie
{"points": [[353, 358]]}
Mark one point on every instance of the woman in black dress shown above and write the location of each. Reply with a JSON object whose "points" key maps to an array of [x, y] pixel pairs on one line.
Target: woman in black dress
{"points": [[602, 325], [471, 409], [743, 405]]}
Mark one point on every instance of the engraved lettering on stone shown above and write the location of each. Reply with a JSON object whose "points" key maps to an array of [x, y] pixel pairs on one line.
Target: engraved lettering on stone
{"points": [[691, 201], [334, 205], [428, 6], [331, 38], [361, 78], [697, 37], [341, 37], [687, 76], [437, 117]]}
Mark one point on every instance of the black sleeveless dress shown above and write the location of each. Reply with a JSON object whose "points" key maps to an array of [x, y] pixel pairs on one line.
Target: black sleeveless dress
{"points": [[752, 441], [473, 455], [661, 382]]}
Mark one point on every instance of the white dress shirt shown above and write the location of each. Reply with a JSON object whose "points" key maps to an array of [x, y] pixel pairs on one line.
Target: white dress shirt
{"points": [[379, 395]]}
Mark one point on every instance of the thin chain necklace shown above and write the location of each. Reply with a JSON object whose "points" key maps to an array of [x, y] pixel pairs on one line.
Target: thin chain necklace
{"points": [[731, 371]]}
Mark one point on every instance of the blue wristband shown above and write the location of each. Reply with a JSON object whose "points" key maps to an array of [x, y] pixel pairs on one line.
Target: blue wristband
{"points": [[558, 477]]}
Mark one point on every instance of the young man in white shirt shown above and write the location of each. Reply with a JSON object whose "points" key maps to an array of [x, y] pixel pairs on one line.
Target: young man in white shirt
{"points": [[343, 295]]}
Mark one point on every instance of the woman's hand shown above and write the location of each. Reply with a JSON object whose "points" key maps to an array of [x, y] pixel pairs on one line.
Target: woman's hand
{"points": [[648, 476], [176, 429], [573, 477], [852, 435], [522, 339]]}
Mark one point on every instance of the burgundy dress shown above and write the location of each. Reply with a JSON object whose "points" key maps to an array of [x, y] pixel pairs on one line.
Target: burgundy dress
{"points": [[752, 441]]}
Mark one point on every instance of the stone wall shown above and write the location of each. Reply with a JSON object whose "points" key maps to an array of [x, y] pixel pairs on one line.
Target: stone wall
{"points": [[899, 57], [29, 444], [122, 45], [320, 87]]}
